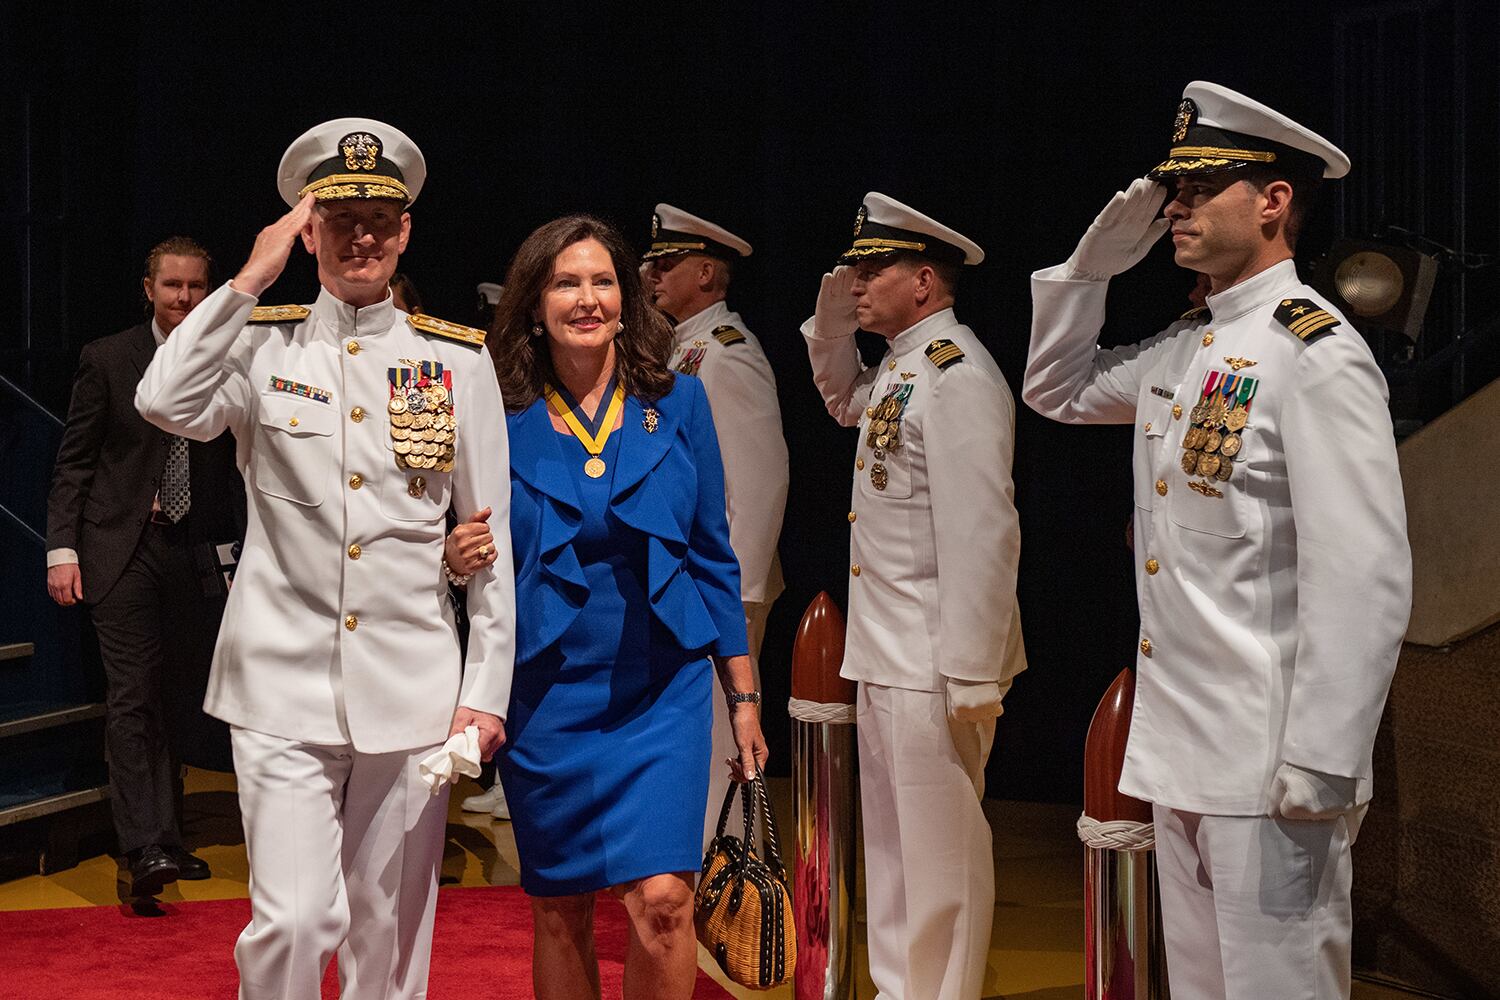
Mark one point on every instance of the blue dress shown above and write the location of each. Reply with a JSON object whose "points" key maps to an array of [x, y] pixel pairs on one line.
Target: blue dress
{"points": [[607, 759]]}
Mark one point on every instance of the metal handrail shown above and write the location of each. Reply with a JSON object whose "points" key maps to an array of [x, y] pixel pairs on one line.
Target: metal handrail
{"points": [[25, 397], [29, 531]]}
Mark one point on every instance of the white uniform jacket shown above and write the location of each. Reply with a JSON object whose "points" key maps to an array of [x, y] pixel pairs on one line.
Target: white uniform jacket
{"points": [[934, 536], [715, 346], [338, 628], [1273, 601]]}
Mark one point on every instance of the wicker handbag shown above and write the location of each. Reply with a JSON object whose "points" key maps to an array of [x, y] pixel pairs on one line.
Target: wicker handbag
{"points": [[742, 909]]}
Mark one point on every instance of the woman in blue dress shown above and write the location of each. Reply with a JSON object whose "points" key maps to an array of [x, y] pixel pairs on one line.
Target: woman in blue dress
{"points": [[627, 594]]}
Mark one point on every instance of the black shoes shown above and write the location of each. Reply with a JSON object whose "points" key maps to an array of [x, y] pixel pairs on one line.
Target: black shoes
{"points": [[193, 869], [150, 869]]}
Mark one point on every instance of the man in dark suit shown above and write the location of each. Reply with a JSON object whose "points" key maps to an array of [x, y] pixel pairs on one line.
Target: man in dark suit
{"points": [[139, 526]]}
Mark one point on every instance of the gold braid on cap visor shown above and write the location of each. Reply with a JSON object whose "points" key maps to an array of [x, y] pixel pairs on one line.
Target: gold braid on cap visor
{"points": [[870, 247], [349, 186], [1199, 157]]}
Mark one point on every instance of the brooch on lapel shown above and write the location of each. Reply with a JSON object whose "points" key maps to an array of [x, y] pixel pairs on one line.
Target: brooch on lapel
{"points": [[650, 422]]}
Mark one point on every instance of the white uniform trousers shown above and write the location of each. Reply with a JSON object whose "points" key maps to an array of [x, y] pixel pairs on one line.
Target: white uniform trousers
{"points": [[723, 736], [929, 859], [1254, 907], [344, 851]]}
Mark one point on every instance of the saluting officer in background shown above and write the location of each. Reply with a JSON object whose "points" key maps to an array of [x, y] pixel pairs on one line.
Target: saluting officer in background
{"points": [[338, 663], [688, 268], [934, 634], [1272, 565]]}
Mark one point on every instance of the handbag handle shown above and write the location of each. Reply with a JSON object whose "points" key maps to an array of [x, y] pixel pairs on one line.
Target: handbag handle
{"points": [[754, 799]]}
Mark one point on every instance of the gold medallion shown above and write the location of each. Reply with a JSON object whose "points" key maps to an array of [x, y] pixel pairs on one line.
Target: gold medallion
{"points": [[437, 393], [400, 433], [1231, 446], [1208, 465], [1212, 442], [1199, 413], [1225, 468], [1237, 418], [401, 419], [1189, 464], [878, 476], [398, 404], [1193, 438], [594, 467], [1217, 411], [880, 426], [402, 447]]}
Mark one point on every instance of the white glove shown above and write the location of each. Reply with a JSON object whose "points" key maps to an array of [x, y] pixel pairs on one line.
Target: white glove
{"points": [[459, 756], [1122, 234], [1297, 793], [835, 315], [974, 701]]}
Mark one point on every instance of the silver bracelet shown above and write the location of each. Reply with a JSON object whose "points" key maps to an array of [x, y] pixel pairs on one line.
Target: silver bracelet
{"points": [[458, 580]]}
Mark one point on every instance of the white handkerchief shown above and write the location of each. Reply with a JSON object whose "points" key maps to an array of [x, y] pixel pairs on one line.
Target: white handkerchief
{"points": [[459, 756]]}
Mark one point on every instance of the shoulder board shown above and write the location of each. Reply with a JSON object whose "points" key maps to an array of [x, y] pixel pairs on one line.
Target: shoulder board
{"points": [[944, 353], [728, 336], [1306, 319], [279, 314], [1197, 312], [470, 335]]}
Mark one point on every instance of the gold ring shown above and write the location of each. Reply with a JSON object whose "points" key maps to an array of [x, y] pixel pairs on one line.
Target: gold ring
{"points": [[484, 551]]}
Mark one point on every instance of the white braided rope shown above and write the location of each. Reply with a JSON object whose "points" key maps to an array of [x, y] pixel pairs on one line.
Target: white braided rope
{"points": [[1117, 834], [819, 711]]}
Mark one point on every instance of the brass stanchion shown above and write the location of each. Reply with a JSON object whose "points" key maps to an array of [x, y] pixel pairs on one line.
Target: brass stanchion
{"points": [[823, 755], [1124, 958]]}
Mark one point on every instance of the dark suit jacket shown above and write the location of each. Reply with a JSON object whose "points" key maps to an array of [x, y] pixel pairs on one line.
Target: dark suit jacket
{"points": [[110, 465], [668, 487]]}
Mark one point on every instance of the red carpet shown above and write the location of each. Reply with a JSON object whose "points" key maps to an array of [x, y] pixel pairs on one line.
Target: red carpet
{"points": [[481, 951]]}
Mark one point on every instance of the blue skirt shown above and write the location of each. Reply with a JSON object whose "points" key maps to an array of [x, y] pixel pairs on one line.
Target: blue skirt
{"points": [[606, 770]]}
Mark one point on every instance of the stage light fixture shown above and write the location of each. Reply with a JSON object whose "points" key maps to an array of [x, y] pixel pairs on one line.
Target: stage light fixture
{"points": [[1378, 284]]}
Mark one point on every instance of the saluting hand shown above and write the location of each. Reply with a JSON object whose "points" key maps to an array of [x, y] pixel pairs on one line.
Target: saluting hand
{"points": [[835, 314], [1123, 233], [272, 247]]}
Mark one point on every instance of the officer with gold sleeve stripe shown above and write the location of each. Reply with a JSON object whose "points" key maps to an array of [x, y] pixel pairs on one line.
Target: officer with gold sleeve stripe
{"points": [[934, 635], [338, 665], [688, 268]]}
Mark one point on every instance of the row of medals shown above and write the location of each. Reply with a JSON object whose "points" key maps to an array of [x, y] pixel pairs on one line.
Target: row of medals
{"points": [[422, 426], [882, 434], [1210, 444]]}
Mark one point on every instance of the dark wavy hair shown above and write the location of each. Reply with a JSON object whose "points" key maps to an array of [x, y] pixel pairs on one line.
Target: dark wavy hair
{"points": [[523, 362]]}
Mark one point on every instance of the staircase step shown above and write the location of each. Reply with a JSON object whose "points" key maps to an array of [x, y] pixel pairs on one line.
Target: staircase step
{"points": [[16, 650]]}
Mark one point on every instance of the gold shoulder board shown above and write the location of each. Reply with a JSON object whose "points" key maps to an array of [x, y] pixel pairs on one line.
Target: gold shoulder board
{"points": [[470, 335], [1195, 313], [728, 336], [1307, 320], [944, 353], [279, 314]]}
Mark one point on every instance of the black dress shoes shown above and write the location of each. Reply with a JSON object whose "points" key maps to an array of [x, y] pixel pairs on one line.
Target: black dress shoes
{"points": [[150, 869], [189, 867]]}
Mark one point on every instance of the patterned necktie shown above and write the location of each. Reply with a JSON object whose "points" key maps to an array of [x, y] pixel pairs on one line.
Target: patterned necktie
{"points": [[176, 495]]}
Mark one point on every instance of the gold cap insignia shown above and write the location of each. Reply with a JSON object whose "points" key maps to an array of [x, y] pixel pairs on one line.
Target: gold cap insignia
{"points": [[360, 150], [1187, 113], [655, 225], [859, 219]]}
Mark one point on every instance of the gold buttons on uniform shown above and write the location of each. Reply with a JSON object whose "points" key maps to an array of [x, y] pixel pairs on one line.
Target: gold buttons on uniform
{"points": [[1208, 338], [356, 481], [891, 366], [1145, 647], [416, 487], [853, 517], [355, 551], [859, 463], [1152, 566], [293, 422], [357, 414], [352, 347], [854, 569], [1161, 487], [1176, 411], [351, 622], [1147, 427]]}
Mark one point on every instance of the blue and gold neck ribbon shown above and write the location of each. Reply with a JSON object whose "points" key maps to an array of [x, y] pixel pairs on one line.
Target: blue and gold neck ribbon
{"points": [[593, 433]]}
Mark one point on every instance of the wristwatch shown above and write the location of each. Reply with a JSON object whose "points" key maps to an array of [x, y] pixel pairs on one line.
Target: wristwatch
{"points": [[739, 697]]}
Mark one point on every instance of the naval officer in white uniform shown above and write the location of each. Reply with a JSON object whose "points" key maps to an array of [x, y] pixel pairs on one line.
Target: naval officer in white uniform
{"points": [[688, 268], [1272, 564], [934, 635], [337, 666]]}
